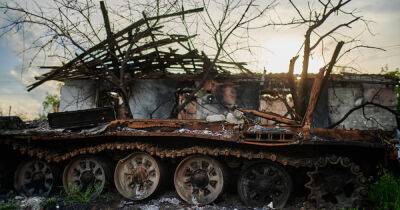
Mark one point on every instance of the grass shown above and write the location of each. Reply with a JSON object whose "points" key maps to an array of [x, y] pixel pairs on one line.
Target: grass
{"points": [[74, 195], [385, 193], [51, 202], [8, 205]]}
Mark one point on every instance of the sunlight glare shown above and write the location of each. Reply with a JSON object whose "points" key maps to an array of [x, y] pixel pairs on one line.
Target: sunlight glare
{"points": [[280, 49]]}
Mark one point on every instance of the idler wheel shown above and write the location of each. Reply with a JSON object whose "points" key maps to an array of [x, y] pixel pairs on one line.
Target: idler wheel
{"points": [[33, 178], [138, 176], [86, 173], [199, 179], [263, 183]]}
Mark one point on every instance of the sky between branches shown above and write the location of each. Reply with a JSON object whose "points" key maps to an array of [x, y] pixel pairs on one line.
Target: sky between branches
{"points": [[273, 48]]}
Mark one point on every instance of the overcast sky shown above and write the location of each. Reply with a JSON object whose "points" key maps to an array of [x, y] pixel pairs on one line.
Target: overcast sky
{"points": [[275, 47]]}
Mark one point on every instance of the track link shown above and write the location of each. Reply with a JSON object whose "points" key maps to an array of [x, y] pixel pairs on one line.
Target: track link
{"points": [[336, 180], [315, 164]]}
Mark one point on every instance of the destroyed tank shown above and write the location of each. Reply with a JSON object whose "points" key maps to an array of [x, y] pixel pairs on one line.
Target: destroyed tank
{"points": [[266, 157], [227, 131]]}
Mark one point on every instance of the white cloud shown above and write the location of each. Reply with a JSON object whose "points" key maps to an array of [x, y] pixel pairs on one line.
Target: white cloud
{"points": [[25, 107]]}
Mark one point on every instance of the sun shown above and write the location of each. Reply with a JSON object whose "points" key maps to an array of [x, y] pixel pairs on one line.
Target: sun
{"points": [[279, 49]]}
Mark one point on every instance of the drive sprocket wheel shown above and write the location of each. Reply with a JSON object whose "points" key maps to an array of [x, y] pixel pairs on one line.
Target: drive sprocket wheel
{"points": [[336, 182]]}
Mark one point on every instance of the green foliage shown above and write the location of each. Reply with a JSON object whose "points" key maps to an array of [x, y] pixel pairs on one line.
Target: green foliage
{"points": [[106, 197], [75, 195], [50, 202], [385, 193], [8, 205], [50, 104], [396, 75], [393, 74]]}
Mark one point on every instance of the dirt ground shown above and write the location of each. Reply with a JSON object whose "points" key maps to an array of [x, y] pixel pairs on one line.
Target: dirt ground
{"points": [[166, 201], [171, 201]]}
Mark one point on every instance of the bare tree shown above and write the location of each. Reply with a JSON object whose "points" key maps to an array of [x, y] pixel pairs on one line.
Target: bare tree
{"points": [[70, 28], [66, 27], [88, 46], [236, 19], [72, 32], [224, 26], [315, 17]]}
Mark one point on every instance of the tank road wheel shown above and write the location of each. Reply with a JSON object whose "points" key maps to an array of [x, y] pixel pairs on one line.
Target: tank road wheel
{"points": [[33, 178], [137, 176], [261, 183], [336, 181], [199, 179], [86, 173]]}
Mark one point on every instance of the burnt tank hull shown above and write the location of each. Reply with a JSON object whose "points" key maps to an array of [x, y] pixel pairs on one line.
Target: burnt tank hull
{"points": [[237, 149]]}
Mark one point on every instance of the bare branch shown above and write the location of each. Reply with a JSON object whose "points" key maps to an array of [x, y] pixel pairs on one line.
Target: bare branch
{"points": [[297, 10], [333, 30]]}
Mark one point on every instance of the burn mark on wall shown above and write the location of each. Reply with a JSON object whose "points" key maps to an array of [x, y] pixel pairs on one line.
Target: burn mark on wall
{"points": [[343, 97], [153, 99], [77, 95], [276, 98], [220, 97], [156, 98]]}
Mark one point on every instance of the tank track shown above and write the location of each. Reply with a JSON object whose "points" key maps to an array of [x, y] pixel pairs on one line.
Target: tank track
{"points": [[315, 199], [318, 197], [53, 156]]}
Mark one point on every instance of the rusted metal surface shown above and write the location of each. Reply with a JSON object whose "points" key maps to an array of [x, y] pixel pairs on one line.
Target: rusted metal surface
{"points": [[200, 179], [173, 123], [268, 116], [84, 173], [185, 131], [154, 150], [138, 128], [315, 91], [137, 176], [245, 134], [353, 135]]}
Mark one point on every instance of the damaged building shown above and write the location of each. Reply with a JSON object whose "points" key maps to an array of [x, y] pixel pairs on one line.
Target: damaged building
{"points": [[155, 98]]}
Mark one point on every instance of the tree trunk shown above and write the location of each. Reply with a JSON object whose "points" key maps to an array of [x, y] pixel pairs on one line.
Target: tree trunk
{"points": [[122, 106], [292, 86], [302, 89]]}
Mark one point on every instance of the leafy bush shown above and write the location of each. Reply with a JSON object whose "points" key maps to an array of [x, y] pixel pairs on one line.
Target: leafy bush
{"points": [[385, 193], [50, 104], [8, 205], [74, 194], [396, 75], [50, 202]]}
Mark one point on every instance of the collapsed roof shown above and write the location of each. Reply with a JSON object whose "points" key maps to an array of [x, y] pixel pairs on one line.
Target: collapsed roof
{"points": [[144, 51], [141, 49]]}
